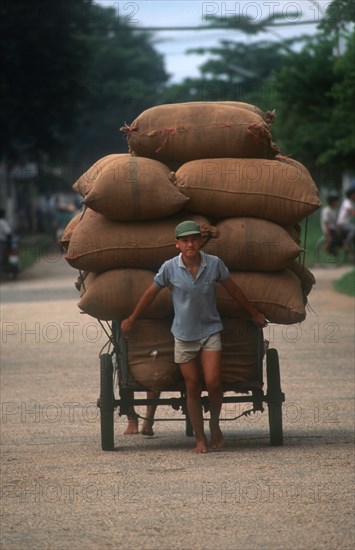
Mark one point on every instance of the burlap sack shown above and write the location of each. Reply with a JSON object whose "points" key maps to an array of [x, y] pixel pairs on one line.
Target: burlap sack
{"points": [[151, 355], [186, 131], [240, 355], [252, 244], [278, 295], [260, 188], [134, 188], [114, 294], [99, 244], [295, 231], [86, 180], [305, 276], [68, 231], [84, 281], [268, 116]]}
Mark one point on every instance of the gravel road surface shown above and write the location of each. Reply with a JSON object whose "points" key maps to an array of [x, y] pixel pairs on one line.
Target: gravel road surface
{"points": [[61, 491]]}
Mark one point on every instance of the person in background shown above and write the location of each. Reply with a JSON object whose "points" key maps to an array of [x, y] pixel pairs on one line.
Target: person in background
{"points": [[147, 426], [329, 217], [5, 233], [346, 218]]}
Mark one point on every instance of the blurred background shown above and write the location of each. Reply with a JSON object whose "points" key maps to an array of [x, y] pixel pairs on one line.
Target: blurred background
{"points": [[74, 72]]}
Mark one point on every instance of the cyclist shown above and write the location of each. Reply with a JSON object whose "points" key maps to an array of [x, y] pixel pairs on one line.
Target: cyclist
{"points": [[329, 217], [346, 218]]}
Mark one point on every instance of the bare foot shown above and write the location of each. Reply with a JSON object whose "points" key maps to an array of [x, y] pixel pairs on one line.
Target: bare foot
{"points": [[132, 427], [201, 446], [217, 439], [147, 428]]}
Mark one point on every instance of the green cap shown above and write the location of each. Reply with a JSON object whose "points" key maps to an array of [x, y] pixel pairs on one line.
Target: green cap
{"points": [[187, 228]]}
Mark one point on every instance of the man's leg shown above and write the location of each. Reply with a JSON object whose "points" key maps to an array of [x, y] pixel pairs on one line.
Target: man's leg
{"points": [[211, 364], [346, 235], [147, 428], [349, 236], [132, 427], [132, 418], [333, 243], [190, 373]]}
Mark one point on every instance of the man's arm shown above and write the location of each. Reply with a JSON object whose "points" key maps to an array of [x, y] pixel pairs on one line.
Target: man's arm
{"points": [[238, 295], [144, 302]]}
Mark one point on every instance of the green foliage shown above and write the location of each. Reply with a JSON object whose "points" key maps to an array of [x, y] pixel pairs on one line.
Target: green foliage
{"points": [[72, 74], [346, 284], [246, 24], [312, 88], [304, 103], [310, 233], [44, 50], [316, 92], [316, 89], [343, 113], [338, 14], [124, 76], [33, 247], [235, 72]]}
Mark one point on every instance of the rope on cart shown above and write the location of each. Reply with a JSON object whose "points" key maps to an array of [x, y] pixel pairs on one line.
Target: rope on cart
{"points": [[109, 336], [245, 413], [80, 271], [305, 243], [108, 345], [303, 266]]}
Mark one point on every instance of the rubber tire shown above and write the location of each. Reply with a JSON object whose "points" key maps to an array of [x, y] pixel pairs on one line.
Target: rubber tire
{"points": [[323, 258], [275, 397], [106, 402]]}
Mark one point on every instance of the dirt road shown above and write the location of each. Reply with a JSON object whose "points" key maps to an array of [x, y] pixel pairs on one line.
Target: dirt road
{"points": [[60, 491]]}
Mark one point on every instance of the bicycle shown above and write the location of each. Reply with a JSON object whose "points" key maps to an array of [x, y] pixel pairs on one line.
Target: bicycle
{"points": [[325, 259]]}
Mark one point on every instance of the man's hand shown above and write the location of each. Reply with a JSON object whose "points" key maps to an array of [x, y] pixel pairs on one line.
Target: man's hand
{"points": [[238, 295], [259, 319], [146, 299], [126, 326]]}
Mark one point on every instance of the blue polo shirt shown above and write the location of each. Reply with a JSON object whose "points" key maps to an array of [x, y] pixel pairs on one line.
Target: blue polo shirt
{"points": [[194, 299]]}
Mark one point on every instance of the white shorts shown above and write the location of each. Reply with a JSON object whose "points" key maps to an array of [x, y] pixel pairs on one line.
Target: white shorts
{"points": [[186, 350]]}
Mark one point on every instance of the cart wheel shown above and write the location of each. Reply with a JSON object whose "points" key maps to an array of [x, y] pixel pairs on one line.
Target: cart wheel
{"points": [[275, 397], [106, 402], [323, 258]]}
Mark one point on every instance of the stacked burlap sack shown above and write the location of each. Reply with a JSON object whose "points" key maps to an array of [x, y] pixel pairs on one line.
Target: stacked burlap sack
{"points": [[229, 177]]}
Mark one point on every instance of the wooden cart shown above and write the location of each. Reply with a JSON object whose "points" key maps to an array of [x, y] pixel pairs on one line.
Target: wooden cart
{"points": [[117, 390]]}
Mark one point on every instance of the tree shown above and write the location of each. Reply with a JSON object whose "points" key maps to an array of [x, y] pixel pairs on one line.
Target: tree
{"points": [[338, 14], [235, 71], [316, 94], [45, 48], [73, 73], [304, 103], [124, 76], [312, 88], [342, 147]]}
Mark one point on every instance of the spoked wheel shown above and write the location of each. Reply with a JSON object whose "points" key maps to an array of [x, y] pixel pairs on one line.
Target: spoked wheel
{"points": [[106, 402], [275, 397], [323, 258]]}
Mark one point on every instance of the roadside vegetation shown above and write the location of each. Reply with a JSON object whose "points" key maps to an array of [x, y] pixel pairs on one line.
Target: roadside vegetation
{"points": [[36, 246], [346, 283]]}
